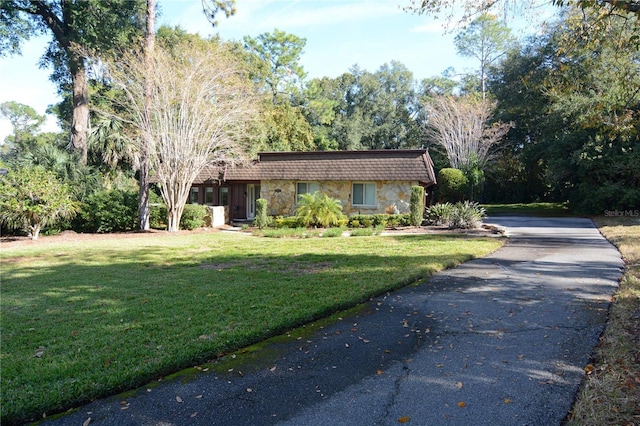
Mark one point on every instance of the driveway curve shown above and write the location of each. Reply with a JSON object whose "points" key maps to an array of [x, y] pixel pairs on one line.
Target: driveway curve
{"points": [[501, 340]]}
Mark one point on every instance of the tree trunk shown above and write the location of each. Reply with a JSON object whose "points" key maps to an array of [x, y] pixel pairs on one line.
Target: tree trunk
{"points": [[174, 214], [149, 42], [80, 116], [34, 232]]}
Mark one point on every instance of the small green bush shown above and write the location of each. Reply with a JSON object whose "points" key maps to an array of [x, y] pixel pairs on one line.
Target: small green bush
{"points": [[362, 232], [262, 220], [193, 216], [439, 214], [417, 205], [332, 232], [402, 219], [288, 233], [157, 216], [110, 211], [290, 222], [466, 215], [452, 185], [361, 221], [380, 220]]}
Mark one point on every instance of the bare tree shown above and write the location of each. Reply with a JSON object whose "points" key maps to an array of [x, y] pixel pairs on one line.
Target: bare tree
{"points": [[149, 46], [200, 106], [461, 126]]}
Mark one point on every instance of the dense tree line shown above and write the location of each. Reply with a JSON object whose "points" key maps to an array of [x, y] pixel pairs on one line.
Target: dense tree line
{"points": [[569, 99], [576, 109]]}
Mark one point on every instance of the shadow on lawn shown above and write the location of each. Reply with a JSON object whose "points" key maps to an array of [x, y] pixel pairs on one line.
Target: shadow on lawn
{"points": [[74, 332]]}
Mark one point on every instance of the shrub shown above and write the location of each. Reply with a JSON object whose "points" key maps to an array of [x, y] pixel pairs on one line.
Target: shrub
{"points": [[403, 219], [193, 216], [288, 233], [158, 216], [380, 220], [417, 205], [362, 232], [361, 220], [467, 215], [110, 211], [32, 198], [290, 222], [332, 232], [452, 185], [262, 220], [439, 214], [460, 215], [319, 210]]}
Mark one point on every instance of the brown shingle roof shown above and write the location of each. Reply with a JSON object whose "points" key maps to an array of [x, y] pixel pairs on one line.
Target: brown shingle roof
{"points": [[414, 165]]}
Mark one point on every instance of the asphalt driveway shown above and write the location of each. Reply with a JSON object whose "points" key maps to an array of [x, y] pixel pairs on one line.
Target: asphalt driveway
{"points": [[501, 340]]}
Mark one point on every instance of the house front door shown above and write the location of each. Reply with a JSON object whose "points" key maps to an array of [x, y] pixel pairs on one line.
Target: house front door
{"points": [[253, 193]]}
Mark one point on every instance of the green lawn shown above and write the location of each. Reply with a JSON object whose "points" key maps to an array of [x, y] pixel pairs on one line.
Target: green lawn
{"points": [[89, 319], [528, 209], [610, 394]]}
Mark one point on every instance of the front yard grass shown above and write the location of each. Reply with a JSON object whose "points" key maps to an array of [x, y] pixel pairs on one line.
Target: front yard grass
{"points": [[528, 209], [611, 392], [88, 319]]}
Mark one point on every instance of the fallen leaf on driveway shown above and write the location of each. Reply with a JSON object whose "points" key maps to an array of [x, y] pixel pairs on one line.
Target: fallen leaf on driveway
{"points": [[178, 399], [86, 422], [461, 404], [459, 385], [404, 419]]}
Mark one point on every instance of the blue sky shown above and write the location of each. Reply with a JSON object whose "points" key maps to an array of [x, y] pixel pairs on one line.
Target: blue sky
{"points": [[339, 34]]}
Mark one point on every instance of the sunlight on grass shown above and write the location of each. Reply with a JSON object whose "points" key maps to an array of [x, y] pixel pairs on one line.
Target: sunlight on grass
{"points": [[531, 209], [84, 320], [611, 393]]}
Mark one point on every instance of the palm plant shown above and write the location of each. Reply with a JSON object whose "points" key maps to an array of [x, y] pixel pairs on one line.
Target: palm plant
{"points": [[319, 210]]}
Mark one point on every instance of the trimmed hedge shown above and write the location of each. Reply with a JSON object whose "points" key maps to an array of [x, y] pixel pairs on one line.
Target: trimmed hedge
{"points": [[377, 220], [453, 185]]}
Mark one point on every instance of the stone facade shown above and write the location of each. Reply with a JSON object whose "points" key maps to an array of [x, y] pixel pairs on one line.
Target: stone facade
{"points": [[391, 196]]}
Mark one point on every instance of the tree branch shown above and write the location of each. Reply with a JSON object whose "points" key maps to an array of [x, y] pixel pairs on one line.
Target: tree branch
{"points": [[52, 21]]}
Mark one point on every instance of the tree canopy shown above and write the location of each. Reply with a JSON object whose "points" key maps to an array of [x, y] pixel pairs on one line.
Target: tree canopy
{"points": [[577, 114], [77, 28]]}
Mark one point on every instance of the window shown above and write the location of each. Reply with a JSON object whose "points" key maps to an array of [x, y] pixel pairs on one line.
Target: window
{"points": [[193, 195], [208, 195], [306, 188], [224, 196], [364, 194]]}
